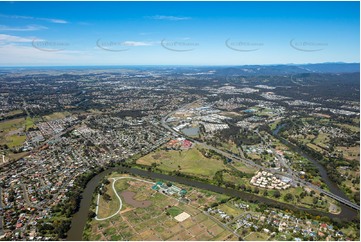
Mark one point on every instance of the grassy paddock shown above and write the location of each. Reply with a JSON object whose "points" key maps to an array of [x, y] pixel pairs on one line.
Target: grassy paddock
{"points": [[187, 161]]}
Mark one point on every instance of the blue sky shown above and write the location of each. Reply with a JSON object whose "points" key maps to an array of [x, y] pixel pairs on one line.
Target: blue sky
{"points": [[178, 33]]}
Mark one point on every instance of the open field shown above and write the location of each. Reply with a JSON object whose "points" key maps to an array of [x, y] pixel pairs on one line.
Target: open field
{"points": [[322, 140], [229, 146], [15, 140], [17, 156], [350, 153], [256, 236], [303, 139], [108, 207], [12, 132], [274, 124], [174, 211], [13, 113], [242, 167], [254, 156], [352, 128], [12, 124], [235, 179], [57, 115], [29, 123], [153, 222], [187, 161], [316, 148], [229, 208]]}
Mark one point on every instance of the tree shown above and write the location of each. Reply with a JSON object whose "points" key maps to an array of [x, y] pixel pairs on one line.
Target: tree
{"points": [[276, 194], [62, 228], [218, 177], [288, 197], [91, 214], [243, 187], [106, 197]]}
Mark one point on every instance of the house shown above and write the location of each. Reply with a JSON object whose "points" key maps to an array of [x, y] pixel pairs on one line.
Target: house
{"points": [[339, 233], [187, 144], [323, 227]]}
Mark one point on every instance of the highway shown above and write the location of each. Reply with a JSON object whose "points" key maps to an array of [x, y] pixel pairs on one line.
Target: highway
{"points": [[251, 163]]}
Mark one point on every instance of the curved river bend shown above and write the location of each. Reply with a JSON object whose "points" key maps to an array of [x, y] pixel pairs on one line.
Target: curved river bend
{"points": [[330, 184], [80, 218]]}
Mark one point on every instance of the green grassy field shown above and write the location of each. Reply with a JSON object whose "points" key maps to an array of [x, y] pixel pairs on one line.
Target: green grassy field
{"points": [[13, 113], [57, 115], [322, 140], [11, 131], [230, 209], [7, 135], [230, 146], [15, 140], [242, 167], [174, 211], [274, 124], [108, 208], [353, 128], [12, 124], [316, 148], [187, 161], [29, 123], [235, 179], [256, 236], [303, 139]]}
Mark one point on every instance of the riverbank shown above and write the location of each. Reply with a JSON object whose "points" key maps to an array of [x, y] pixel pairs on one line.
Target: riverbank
{"points": [[80, 218]]}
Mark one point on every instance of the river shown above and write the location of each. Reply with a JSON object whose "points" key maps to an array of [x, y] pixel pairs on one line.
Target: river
{"points": [[330, 184], [346, 210], [80, 218]]}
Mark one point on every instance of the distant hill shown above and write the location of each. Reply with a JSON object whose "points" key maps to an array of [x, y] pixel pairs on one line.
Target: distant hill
{"points": [[333, 67], [256, 70]]}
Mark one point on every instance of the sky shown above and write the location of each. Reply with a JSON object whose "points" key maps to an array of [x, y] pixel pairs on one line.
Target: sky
{"points": [[178, 33]]}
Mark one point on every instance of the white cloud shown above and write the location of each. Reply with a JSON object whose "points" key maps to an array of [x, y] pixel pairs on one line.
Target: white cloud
{"points": [[57, 21], [136, 43], [26, 28], [12, 54], [4, 38], [52, 20], [168, 17]]}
